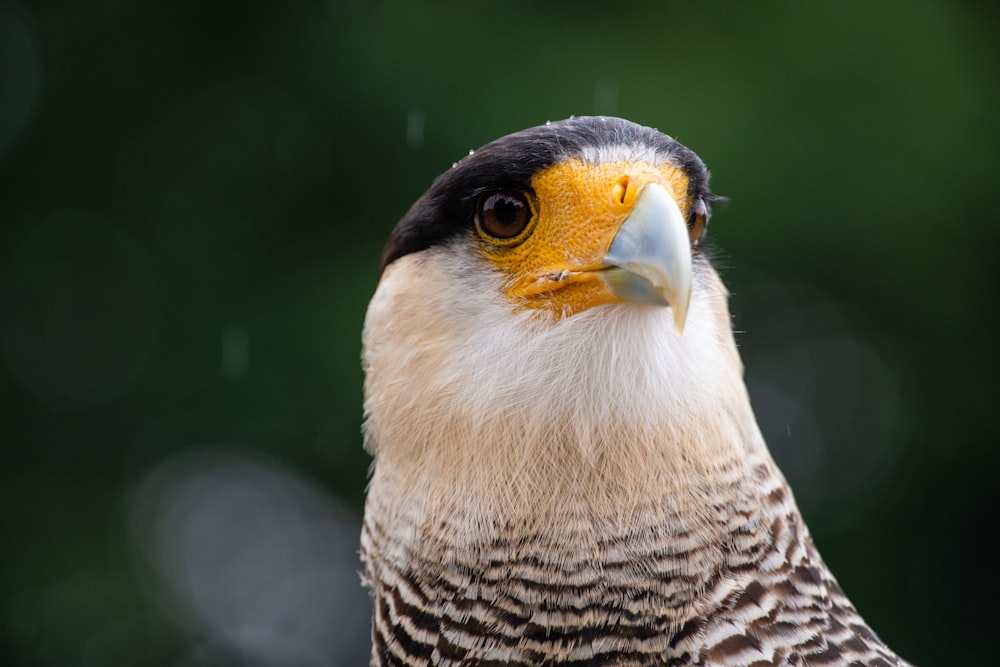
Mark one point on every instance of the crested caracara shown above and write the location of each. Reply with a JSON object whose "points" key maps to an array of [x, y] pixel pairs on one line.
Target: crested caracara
{"points": [[567, 467]]}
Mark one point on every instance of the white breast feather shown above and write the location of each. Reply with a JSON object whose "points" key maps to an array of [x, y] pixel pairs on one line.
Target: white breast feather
{"points": [[511, 408]]}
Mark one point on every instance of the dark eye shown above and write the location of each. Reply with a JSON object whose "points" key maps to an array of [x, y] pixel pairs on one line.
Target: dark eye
{"points": [[697, 220], [503, 214]]}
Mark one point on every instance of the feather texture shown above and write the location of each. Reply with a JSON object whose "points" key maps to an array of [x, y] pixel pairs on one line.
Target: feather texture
{"points": [[589, 490]]}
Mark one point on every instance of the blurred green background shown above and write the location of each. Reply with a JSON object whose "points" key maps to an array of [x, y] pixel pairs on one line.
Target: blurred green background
{"points": [[193, 198]]}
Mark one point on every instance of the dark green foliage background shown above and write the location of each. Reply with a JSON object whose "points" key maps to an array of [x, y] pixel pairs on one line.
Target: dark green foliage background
{"points": [[179, 180]]}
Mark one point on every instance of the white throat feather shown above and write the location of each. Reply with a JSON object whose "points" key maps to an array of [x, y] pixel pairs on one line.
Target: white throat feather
{"points": [[478, 409]]}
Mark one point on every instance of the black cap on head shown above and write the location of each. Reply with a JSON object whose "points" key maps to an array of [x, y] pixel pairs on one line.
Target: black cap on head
{"points": [[448, 207]]}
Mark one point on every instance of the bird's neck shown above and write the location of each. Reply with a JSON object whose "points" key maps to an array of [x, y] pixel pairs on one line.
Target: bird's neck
{"points": [[607, 416]]}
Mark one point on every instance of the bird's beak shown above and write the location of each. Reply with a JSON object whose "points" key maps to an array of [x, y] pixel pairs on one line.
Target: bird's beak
{"points": [[649, 260]]}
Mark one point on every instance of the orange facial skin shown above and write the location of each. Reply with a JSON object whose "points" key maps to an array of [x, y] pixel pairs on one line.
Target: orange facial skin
{"points": [[578, 208]]}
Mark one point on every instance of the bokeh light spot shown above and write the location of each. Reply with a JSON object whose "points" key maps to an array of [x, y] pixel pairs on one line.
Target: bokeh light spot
{"points": [[253, 557]]}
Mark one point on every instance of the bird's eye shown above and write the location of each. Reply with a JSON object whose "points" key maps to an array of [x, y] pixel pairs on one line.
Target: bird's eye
{"points": [[503, 215], [697, 220]]}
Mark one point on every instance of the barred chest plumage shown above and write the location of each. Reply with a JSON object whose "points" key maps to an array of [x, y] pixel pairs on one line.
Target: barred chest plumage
{"points": [[747, 588]]}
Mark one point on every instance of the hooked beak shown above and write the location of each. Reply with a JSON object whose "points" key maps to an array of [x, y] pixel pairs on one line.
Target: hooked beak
{"points": [[649, 260]]}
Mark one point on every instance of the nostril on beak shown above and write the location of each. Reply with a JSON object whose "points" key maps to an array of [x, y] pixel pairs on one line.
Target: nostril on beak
{"points": [[620, 190]]}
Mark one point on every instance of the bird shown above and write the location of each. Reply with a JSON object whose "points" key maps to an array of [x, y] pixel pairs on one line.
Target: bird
{"points": [[567, 469]]}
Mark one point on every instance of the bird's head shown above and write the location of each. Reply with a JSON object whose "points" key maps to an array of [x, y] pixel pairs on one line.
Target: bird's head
{"points": [[572, 215], [549, 293]]}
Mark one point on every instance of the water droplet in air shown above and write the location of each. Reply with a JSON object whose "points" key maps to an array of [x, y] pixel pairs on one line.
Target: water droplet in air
{"points": [[605, 98], [235, 350], [415, 128]]}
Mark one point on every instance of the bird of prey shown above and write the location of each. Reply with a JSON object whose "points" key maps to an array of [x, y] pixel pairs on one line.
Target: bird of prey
{"points": [[567, 467]]}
